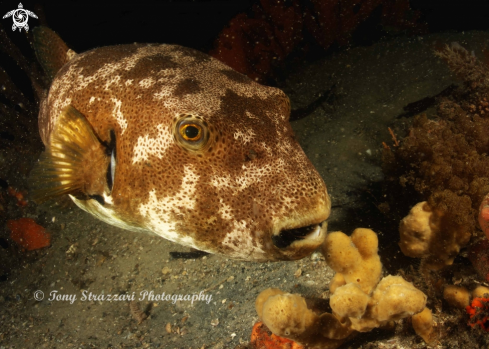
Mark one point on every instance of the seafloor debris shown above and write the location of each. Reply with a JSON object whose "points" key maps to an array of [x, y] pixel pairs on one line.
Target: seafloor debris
{"points": [[136, 312], [360, 300], [18, 195], [168, 328], [28, 234]]}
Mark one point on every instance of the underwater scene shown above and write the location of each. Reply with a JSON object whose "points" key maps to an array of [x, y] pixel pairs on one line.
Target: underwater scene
{"points": [[250, 174]]}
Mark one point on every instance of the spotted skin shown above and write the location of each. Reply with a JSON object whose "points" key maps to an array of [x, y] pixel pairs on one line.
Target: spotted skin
{"points": [[249, 182]]}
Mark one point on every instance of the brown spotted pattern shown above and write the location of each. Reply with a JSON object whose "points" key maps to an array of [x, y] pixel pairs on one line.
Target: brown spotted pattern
{"points": [[247, 182]]}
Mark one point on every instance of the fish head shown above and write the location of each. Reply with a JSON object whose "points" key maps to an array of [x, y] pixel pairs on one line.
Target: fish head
{"points": [[173, 142]]}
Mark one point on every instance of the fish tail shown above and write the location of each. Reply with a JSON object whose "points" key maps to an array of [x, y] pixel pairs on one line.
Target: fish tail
{"points": [[51, 51]]}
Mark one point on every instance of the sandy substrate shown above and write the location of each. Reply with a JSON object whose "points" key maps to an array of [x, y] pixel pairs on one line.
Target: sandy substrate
{"points": [[343, 138]]}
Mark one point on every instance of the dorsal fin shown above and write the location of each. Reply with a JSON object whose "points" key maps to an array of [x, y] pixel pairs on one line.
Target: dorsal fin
{"points": [[74, 162], [51, 51]]}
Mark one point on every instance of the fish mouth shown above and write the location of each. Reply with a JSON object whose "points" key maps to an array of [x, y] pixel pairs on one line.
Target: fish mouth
{"points": [[308, 235]]}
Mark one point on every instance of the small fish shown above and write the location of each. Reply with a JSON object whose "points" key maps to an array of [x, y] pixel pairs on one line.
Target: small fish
{"points": [[165, 139]]}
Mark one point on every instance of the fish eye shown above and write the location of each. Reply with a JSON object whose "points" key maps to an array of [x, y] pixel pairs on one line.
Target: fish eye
{"points": [[191, 132]]}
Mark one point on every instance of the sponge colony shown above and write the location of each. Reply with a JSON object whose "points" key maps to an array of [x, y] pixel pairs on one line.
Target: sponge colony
{"points": [[355, 259]]}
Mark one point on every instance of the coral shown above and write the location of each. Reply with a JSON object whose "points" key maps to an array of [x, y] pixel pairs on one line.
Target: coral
{"points": [[479, 313], [424, 235], [457, 296], [28, 234], [360, 302], [445, 159], [254, 44], [464, 65], [423, 325]]}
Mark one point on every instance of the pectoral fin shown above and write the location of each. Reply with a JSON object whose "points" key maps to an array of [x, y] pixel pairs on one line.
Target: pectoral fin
{"points": [[75, 161]]}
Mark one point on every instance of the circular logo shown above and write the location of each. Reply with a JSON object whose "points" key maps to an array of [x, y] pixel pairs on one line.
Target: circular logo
{"points": [[38, 295], [20, 17]]}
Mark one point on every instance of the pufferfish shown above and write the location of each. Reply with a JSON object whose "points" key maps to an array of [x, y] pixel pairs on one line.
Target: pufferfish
{"points": [[165, 139]]}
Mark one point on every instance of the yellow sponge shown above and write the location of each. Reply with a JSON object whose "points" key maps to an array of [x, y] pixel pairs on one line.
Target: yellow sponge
{"points": [[355, 258]]}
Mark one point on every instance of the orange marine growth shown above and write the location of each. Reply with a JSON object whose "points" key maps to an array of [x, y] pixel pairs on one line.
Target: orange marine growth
{"points": [[28, 234], [21, 201], [479, 313], [263, 338]]}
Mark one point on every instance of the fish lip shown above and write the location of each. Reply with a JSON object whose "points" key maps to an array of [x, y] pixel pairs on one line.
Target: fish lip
{"points": [[311, 236]]}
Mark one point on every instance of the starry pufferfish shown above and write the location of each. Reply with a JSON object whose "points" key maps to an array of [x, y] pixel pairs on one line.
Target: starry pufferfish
{"points": [[165, 139]]}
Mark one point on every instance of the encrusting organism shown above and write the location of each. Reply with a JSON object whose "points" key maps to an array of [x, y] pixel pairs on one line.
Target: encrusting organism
{"points": [[28, 234], [263, 338], [479, 313], [360, 299]]}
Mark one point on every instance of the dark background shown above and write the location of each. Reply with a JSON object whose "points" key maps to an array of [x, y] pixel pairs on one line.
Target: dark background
{"points": [[84, 25]]}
